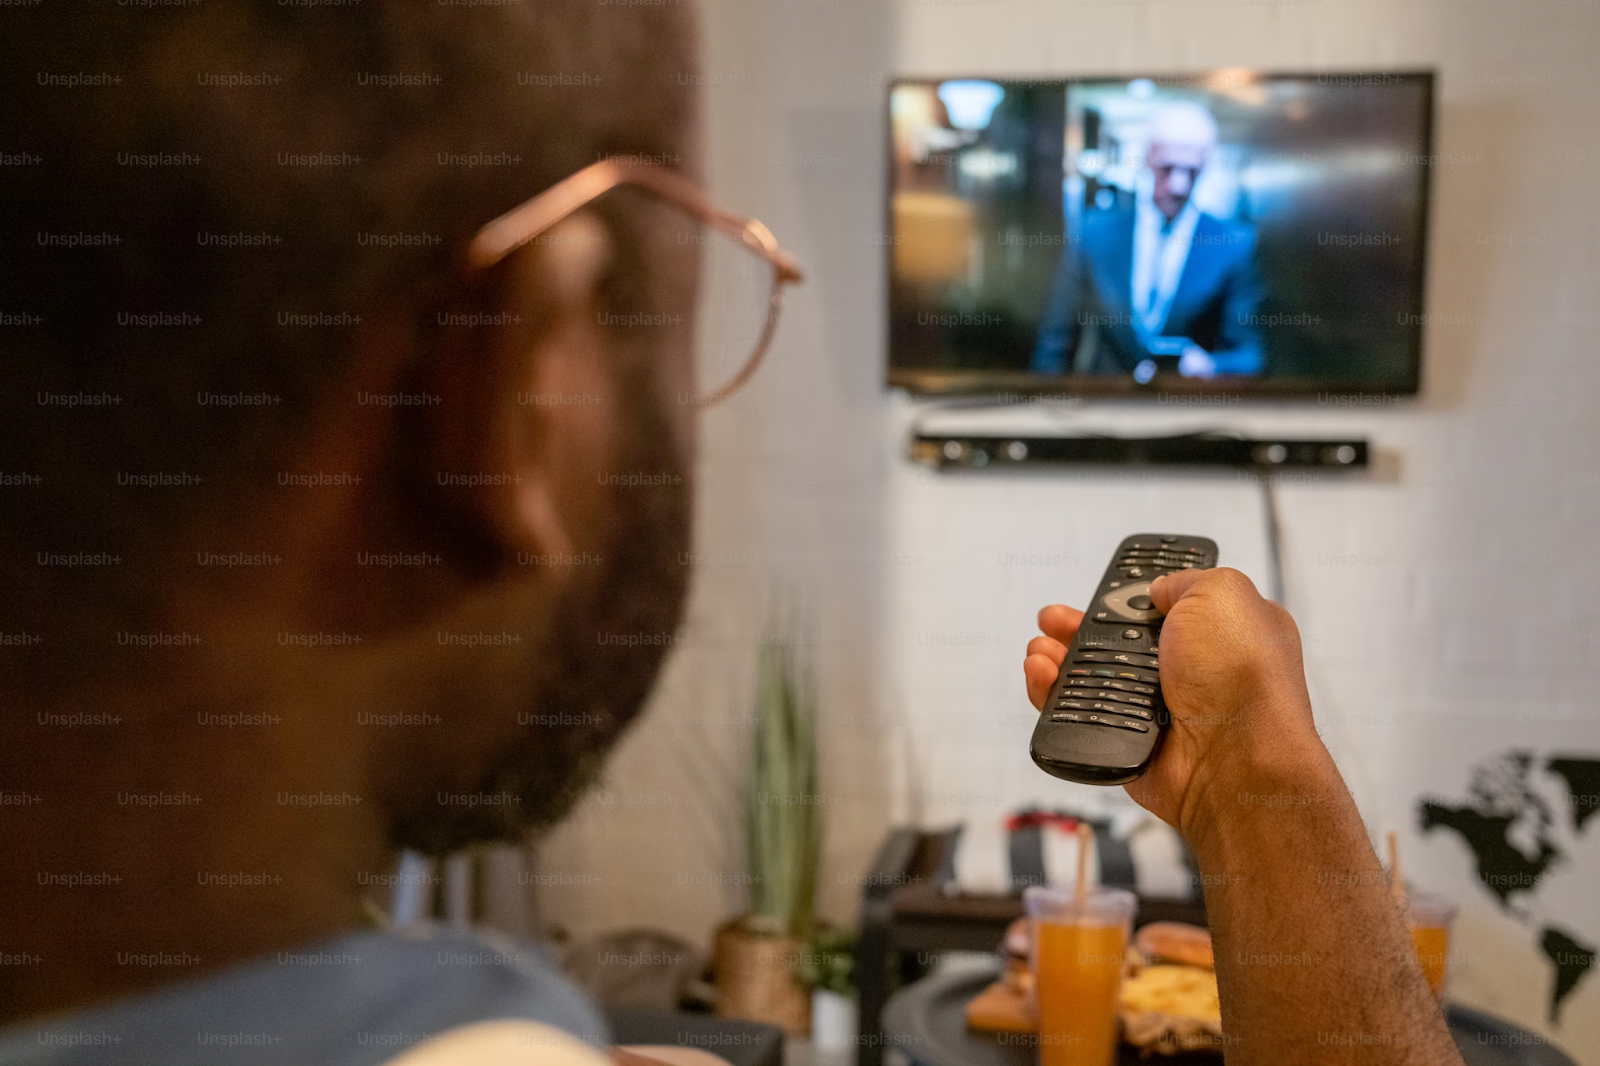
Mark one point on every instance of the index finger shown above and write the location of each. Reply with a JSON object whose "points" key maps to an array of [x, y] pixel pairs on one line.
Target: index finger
{"points": [[1060, 622]]}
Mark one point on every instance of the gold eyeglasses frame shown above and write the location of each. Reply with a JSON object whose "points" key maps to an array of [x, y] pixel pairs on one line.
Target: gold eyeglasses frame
{"points": [[529, 220]]}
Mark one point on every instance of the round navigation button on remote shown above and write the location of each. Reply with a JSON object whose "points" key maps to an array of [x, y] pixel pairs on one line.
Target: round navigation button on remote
{"points": [[1141, 603], [1122, 606]]}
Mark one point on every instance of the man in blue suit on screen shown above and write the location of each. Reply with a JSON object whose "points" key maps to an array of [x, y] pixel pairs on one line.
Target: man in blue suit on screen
{"points": [[1157, 279]]}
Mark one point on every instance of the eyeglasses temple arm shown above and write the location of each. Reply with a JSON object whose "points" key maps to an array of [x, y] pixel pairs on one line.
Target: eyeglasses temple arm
{"points": [[527, 221]]}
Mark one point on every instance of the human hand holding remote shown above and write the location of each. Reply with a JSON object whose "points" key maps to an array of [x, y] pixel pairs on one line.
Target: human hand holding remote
{"points": [[1285, 862], [1234, 684]]}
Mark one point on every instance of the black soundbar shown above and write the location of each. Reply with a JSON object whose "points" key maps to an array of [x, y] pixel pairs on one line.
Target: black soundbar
{"points": [[1274, 453]]}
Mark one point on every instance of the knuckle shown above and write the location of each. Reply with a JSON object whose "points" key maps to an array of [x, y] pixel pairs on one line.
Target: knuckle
{"points": [[1226, 577], [1285, 624]]}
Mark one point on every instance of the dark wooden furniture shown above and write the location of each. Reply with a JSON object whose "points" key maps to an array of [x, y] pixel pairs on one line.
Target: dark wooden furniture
{"points": [[907, 916]]}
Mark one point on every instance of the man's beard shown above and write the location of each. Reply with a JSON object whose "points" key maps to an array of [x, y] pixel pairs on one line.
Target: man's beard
{"points": [[609, 637]]}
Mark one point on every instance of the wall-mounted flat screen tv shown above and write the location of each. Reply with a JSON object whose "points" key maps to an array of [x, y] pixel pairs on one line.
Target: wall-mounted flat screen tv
{"points": [[1231, 232]]}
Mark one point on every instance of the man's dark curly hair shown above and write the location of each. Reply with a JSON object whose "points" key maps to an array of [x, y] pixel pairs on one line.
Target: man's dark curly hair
{"points": [[187, 184], [215, 164]]}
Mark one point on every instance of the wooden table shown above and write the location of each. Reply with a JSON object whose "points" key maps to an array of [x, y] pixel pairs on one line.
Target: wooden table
{"points": [[927, 1022]]}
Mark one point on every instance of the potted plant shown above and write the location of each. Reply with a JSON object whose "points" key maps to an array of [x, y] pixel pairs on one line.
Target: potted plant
{"points": [[828, 968], [756, 954]]}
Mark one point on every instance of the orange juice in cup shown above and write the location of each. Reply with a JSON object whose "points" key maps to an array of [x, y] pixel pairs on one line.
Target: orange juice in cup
{"points": [[1078, 949], [1429, 918]]}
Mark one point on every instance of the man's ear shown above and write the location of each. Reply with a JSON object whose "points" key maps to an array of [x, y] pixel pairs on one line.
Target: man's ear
{"points": [[528, 411]]}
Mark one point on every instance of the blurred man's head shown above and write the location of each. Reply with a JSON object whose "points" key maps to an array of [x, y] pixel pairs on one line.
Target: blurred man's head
{"points": [[302, 512], [1182, 135]]}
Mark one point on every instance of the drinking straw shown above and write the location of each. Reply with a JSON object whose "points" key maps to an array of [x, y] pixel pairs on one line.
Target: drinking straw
{"points": [[1085, 837], [1396, 884]]}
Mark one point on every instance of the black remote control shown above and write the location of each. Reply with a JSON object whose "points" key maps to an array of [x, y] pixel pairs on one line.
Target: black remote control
{"points": [[1104, 719]]}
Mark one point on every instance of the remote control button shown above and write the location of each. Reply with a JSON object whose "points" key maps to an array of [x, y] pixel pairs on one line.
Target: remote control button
{"points": [[1169, 540], [1113, 619], [1116, 708], [1111, 703], [1133, 658], [1121, 647], [1119, 685], [1127, 658], [1143, 646], [1077, 673], [1140, 602], [1106, 673], [1094, 719], [1121, 723], [1120, 603], [1135, 572], [1137, 712], [1149, 679], [1073, 705]]}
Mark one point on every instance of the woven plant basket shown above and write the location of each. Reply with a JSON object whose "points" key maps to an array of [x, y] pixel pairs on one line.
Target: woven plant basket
{"points": [[755, 978]]}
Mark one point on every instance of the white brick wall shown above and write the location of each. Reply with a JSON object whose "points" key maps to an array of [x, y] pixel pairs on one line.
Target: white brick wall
{"points": [[1405, 584], [923, 587]]}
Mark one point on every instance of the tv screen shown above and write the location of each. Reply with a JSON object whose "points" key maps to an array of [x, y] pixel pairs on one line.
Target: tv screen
{"points": [[1227, 233]]}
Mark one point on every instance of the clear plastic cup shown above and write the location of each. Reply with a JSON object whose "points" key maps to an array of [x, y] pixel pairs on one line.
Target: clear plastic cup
{"points": [[1078, 952], [1430, 918]]}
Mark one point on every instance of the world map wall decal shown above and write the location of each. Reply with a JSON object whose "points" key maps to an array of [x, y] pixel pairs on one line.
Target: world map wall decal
{"points": [[1509, 828]]}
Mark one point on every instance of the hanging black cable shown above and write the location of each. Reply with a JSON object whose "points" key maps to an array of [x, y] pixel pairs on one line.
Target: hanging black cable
{"points": [[1269, 507]]}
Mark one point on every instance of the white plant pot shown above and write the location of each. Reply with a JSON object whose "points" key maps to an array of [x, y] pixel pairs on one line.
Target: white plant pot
{"points": [[833, 1020]]}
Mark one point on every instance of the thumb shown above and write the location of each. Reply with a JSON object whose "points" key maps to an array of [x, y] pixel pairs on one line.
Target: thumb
{"points": [[1168, 589]]}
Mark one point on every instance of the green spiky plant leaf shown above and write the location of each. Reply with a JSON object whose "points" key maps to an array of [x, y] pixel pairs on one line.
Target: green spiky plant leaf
{"points": [[829, 962], [784, 813]]}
